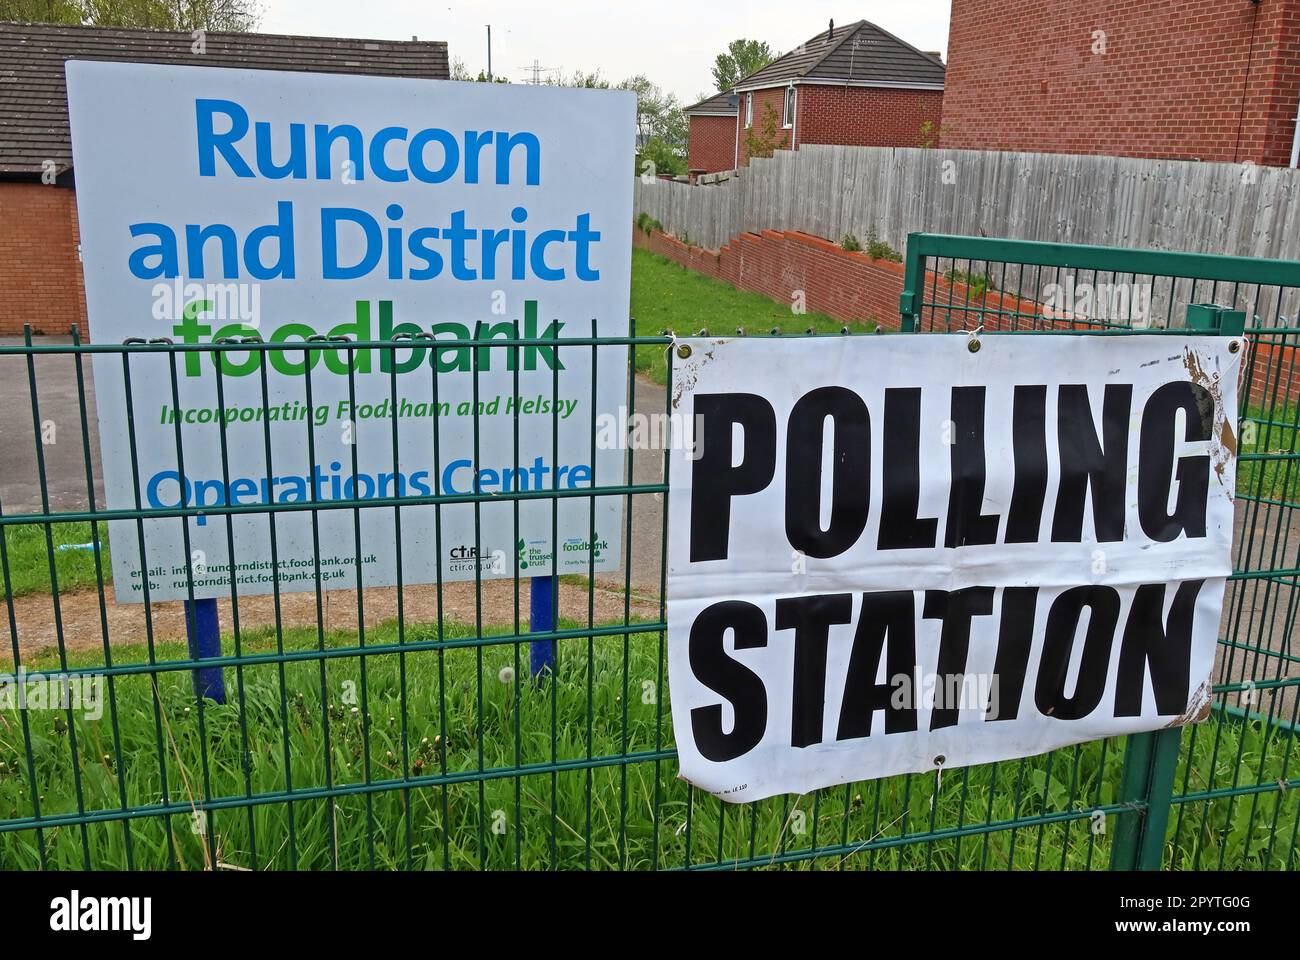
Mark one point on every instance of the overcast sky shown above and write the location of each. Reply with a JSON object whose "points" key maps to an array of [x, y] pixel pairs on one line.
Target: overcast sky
{"points": [[671, 41]]}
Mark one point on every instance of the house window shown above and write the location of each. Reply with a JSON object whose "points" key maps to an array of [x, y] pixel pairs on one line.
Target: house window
{"points": [[749, 110], [788, 122]]}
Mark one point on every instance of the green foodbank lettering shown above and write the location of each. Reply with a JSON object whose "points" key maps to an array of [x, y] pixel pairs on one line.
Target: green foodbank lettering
{"points": [[194, 330]]}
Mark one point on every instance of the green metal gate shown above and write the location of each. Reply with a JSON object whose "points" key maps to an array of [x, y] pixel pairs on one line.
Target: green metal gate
{"points": [[410, 737]]}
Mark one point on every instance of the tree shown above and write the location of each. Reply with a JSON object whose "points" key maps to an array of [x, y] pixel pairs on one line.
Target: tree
{"points": [[581, 79], [461, 72], [232, 15], [742, 58], [763, 139], [658, 114], [657, 157], [41, 11]]}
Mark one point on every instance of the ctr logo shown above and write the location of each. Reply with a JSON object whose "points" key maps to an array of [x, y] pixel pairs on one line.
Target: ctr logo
{"points": [[467, 557]]}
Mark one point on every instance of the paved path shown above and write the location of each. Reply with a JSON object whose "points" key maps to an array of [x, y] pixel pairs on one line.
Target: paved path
{"points": [[59, 407]]}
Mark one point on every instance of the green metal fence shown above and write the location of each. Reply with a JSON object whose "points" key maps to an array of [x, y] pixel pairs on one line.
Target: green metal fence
{"points": [[403, 732], [1218, 794]]}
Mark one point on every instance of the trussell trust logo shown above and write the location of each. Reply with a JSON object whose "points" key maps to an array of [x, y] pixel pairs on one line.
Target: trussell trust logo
{"points": [[78, 914]]}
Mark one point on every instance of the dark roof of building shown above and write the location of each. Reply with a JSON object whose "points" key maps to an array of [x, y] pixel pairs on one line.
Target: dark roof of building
{"points": [[723, 104], [34, 95], [853, 53]]}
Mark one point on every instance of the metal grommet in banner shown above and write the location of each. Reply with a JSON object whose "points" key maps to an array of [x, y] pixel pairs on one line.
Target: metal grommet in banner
{"points": [[684, 350], [1234, 346], [940, 760], [973, 345]]}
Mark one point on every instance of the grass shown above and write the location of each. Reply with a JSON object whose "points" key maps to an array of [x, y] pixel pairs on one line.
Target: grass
{"points": [[461, 714], [28, 556], [1270, 431], [668, 296]]}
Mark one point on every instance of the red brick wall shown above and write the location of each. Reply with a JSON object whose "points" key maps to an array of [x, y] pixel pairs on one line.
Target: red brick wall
{"points": [[774, 98], [854, 116], [712, 144], [1022, 75], [40, 275], [847, 286], [868, 116], [1279, 65], [850, 287]]}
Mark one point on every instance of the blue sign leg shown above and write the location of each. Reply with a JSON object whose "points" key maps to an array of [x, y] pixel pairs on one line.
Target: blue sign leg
{"points": [[204, 635], [541, 619]]}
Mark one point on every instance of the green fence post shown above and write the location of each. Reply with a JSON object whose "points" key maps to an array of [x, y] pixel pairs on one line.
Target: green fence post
{"points": [[1150, 759], [1212, 318], [913, 284], [1147, 786]]}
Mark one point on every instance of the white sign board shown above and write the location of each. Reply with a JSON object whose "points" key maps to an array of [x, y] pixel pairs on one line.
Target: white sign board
{"points": [[227, 203], [897, 554]]}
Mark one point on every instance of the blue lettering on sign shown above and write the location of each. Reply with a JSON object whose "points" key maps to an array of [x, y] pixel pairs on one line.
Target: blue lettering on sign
{"points": [[393, 155], [168, 490]]}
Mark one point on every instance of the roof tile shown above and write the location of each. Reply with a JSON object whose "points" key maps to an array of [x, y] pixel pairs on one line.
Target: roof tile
{"points": [[34, 96], [858, 52], [720, 104]]}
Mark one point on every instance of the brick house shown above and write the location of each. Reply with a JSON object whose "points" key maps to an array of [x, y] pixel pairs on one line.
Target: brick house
{"points": [[711, 145], [855, 84], [1214, 80], [40, 273]]}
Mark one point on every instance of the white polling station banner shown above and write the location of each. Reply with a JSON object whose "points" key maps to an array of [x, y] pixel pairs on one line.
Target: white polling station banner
{"points": [[221, 203], [897, 554]]}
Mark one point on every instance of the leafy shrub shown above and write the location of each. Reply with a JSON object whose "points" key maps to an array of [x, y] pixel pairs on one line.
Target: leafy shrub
{"points": [[877, 249], [648, 224]]}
